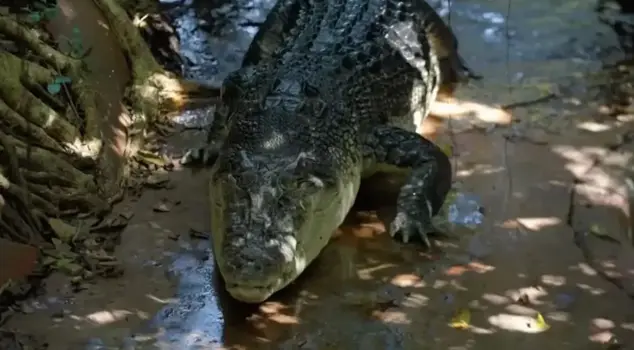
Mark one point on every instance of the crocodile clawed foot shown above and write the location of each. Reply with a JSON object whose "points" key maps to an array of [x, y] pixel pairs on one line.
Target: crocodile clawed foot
{"points": [[201, 156], [409, 225]]}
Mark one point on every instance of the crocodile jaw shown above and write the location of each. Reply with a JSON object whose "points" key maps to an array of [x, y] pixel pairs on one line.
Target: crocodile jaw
{"points": [[249, 293], [314, 235]]}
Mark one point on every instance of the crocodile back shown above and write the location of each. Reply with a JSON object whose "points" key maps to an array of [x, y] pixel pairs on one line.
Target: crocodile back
{"points": [[290, 17], [373, 55]]}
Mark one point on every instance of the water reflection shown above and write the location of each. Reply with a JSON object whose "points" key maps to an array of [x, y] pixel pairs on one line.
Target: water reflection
{"points": [[215, 34], [194, 319]]}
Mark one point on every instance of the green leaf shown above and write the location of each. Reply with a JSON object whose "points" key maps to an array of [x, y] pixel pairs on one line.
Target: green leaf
{"points": [[54, 88], [35, 16], [61, 80], [76, 30]]}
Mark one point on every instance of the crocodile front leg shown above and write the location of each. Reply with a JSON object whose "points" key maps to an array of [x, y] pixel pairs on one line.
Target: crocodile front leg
{"points": [[206, 154], [429, 181]]}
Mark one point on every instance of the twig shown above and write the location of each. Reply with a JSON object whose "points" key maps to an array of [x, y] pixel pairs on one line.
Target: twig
{"points": [[526, 103], [580, 242]]}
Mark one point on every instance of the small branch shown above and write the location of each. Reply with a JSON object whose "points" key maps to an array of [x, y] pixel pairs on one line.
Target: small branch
{"points": [[526, 103]]}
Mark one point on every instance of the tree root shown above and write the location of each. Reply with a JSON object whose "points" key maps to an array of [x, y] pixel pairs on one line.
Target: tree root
{"points": [[41, 139], [18, 98], [20, 126], [154, 91], [13, 30], [52, 159]]}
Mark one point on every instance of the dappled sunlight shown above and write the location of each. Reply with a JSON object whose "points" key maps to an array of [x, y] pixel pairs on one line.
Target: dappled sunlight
{"points": [[496, 299], [408, 280], [553, 280], [109, 316], [391, 316], [452, 115], [86, 148], [161, 300], [461, 109], [175, 94], [591, 290], [594, 127], [537, 224], [516, 323], [480, 169], [473, 266], [274, 311]]}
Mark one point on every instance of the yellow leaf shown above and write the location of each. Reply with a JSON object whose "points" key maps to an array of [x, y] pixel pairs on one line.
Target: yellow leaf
{"points": [[540, 322], [461, 319], [150, 158]]}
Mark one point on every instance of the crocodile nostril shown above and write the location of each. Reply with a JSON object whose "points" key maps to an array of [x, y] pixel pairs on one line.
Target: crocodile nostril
{"points": [[256, 263]]}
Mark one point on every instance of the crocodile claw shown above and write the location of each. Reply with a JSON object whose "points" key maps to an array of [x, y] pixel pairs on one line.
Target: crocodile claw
{"points": [[408, 226], [199, 157]]}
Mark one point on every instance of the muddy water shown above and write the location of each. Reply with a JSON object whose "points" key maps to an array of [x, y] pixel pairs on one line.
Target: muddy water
{"points": [[366, 291]]}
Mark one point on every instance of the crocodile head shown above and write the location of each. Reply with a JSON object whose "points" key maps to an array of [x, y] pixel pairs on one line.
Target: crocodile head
{"points": [[270, 218]]}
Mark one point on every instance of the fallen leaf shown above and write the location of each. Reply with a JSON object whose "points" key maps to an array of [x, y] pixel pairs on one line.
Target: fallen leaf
{"points": [[49, 260], [157, 179], [69, 267], [195, 233], [461, 319], [540, 322], [150, 158], [602, 234], [61, 248], [127, 214], [64, 231], [111, 224], [162, 207]]}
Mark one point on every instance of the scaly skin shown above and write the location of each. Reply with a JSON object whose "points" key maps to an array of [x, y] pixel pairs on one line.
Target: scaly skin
{"points": [[330, 91]]}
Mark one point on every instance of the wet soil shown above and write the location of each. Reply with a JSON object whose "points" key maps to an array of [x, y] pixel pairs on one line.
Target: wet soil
{"points": [[554, 182]]}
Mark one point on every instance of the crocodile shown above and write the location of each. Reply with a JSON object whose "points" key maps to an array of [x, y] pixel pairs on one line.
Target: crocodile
{"points": [[329, 92]]}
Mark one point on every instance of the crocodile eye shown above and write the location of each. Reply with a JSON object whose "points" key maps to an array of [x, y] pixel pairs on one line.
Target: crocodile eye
{"points": [[313, 182], [314, 107]]}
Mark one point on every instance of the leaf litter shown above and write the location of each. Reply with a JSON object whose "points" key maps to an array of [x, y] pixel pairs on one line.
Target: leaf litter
{"points": [[82, 248]]}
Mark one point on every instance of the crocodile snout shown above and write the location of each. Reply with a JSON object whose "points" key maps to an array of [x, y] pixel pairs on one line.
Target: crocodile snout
{"points": [[253, 272]]}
